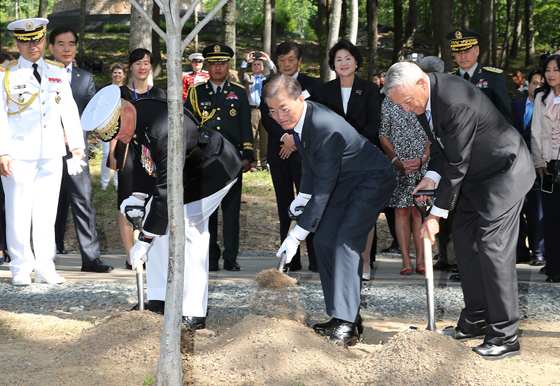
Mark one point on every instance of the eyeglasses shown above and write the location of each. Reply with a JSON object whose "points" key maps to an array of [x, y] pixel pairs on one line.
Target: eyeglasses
{"points": [[281, 112]]}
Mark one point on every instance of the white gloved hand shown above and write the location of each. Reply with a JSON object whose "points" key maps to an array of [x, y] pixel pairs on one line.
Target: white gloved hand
{"points": [[131, 201], [75, 166], [301, 200], [139, 253], [291, 243]]}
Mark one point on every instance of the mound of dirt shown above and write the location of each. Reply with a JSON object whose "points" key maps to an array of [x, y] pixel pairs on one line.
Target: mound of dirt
{"points": [[274, 279]]}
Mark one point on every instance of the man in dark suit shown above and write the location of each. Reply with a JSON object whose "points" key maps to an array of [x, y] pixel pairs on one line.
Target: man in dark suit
{"points": [[531, 221], [283, 158], [222, 105], [349, 182], [75, 190], [212, 165], [481, 166]]}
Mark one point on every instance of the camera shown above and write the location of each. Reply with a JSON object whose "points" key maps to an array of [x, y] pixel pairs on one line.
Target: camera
{"points": [[257, 55]]}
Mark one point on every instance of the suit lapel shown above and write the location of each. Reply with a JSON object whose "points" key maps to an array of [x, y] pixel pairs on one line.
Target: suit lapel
{"points": [[337, 95], [477, 76], [306, 133], [357, 91]]}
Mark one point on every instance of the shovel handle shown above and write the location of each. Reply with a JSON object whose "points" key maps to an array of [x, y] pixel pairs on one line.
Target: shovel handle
{"points": [[282, 262]]}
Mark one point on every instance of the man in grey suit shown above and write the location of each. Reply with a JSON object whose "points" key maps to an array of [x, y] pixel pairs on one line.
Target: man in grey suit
{"points": [[480, 165], [75, 190], [346, 182]]}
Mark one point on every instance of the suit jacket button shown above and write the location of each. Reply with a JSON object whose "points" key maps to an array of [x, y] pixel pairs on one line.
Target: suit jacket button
{"points": [[43, 102], [218, 118], [218, 128], [44, 114], [218, 109], [44, 126]]}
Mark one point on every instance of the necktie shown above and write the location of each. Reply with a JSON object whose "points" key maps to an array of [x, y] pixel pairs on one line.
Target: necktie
{"points": [[36, 73], [298, 143], [528, 115], [69, 75], [429, 116], [467, 77], [257, 89], [217, 96]]}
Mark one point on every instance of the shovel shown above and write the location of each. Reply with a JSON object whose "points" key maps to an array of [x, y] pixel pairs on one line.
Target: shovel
{"points": [[294, 218], [134, 215]]}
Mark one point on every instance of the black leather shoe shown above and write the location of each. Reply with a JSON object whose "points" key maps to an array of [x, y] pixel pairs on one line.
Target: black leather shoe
{"points": [[344, 334], [231, 265], [325, 328], [194, 322], [553, 279], [293, 267], [537, 260], [464, 335], [96, 266], [127, 265], [522, 259], [213, 266], [60, 250], [441, 266], [157, 306], [391, 249], [314, 268], [455, 277], [542, 271], [493, 352]]}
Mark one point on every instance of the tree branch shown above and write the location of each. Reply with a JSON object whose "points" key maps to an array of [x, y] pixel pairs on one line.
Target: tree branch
{"points": [[200, 25], [190, 11], [149, 19]]}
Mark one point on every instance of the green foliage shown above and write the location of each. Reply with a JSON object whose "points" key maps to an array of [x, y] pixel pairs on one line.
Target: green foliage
{"points": [[148, 381], [547, 32], [210, 38], [116, 28]]}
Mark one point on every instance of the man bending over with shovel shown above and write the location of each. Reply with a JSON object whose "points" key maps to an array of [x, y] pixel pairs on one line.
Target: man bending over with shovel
{"points": [[346, 182], [211, 167]]}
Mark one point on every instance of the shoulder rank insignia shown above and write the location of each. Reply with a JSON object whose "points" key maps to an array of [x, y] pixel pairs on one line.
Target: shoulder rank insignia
{"points": [[54, 63], [7, 65], [494, 69], [237, 84]]}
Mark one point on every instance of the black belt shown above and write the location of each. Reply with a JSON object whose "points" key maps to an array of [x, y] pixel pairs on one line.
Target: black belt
{"points": [[254, 107]]}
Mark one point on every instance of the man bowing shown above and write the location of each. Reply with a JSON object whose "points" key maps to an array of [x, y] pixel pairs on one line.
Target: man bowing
{"points": [[346, 182]]}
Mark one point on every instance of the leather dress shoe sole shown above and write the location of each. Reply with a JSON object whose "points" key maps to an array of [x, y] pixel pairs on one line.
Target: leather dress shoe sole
{"points": [[231, 266], [344, 334], [462, 335], [97, 266], [455, 277], [493, 352], [441, 266], [194, 322], [314, 268], [326, 328], [537, 261]]}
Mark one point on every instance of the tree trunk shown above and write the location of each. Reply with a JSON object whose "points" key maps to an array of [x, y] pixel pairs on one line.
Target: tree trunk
{"points": [[411, 24], [343, 20], [196, 36], [398, 32], [156, 46], [494, 36], [445, 27], [267, 27], [505, 47], [43, 11], [353, 33], [529, 34], [170, 365], [465, 18], [436, 26], [228, 27], [372, 20], [82, 33], [516, 40], [322, 36], [485, 31], [273, 28], [333, 33]]}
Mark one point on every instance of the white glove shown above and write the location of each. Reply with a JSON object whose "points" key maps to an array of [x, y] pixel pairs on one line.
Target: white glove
{"points": [[75, 166], [131, 201], [301, 200], [291, 243], [139, 253]]}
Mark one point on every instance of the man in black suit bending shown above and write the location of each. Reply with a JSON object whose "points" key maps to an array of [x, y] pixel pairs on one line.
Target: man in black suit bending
{"points": [[480, 165], [283, 158], [75, 190], [348, 181]]}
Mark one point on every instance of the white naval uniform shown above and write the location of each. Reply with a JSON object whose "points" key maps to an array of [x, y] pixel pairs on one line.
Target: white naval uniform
{"points": [[34, 139], [197, 237]]}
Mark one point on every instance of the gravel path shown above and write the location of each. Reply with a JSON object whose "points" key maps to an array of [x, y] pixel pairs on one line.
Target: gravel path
{"points": [[536, 301]]}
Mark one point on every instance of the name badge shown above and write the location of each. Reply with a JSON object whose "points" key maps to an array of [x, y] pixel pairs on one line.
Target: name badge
{"points": [[203, 104], [306, 94], [557, 100]]}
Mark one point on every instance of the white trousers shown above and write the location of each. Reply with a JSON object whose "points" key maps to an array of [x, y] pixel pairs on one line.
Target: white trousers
{"points": [[105, 170], [32, 191], [195, 289]]}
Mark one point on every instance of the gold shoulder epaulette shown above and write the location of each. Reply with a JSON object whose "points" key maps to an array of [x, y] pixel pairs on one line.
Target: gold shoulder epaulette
{"points": [[54, 63], [237, 84], [494, 69], [10, 64], [197, 84]]}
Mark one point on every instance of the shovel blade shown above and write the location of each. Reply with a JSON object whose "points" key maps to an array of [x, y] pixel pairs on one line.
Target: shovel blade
{"points": [[282, 262]]}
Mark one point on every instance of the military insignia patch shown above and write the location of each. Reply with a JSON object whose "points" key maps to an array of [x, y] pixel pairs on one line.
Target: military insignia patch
{"points": [[232, 96], [458, 35], [58, 98], [216, 48], [233, 113]]}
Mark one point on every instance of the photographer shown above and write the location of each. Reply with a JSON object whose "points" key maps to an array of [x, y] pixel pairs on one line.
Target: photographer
{"points": [[253, 85]]}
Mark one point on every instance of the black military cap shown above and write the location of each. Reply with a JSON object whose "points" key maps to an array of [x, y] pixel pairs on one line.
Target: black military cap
{"points": [[463, 39], [217, 53]]}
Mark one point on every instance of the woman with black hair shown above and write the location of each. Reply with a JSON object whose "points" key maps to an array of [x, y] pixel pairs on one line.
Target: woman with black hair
{"points": [[545, 149], [355, 99], [140, 65]]}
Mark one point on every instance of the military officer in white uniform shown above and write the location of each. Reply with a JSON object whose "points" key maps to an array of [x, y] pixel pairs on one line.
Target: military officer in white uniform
{"points": [[36, 101]]}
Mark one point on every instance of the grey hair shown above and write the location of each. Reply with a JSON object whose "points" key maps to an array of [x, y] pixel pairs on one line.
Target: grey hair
{"points": [[432, 64], [279, 83], [405, 74]]}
